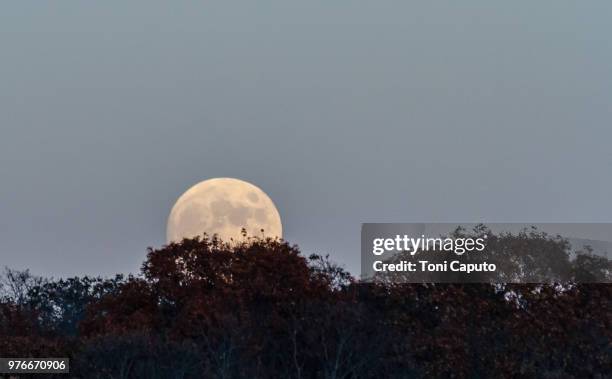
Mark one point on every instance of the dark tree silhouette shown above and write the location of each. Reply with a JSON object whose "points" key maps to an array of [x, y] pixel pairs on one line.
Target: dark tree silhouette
{"points": [[204, 308]]}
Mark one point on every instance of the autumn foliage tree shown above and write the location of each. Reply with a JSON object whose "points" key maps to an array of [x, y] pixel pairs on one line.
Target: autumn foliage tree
{"points": [[260, 308]]}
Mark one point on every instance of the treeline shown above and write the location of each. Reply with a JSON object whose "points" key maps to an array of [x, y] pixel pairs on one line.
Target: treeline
{"points": [[202, 308]]}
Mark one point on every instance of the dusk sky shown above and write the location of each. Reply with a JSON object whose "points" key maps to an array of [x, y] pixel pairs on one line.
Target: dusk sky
{"points": [[378, 112]]}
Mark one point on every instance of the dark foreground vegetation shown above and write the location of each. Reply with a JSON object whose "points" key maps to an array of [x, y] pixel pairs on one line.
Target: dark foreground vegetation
{"points": [[262, 310]]}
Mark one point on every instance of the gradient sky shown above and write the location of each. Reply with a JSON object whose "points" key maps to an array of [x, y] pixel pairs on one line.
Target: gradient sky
{"points": [[343, 112]]}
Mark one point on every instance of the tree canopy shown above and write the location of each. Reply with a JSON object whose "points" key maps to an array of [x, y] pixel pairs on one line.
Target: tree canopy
{"points": [[205, 308]]}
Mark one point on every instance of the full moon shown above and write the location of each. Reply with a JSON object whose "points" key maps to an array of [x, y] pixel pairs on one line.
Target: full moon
{"points": [[223, 206]]}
